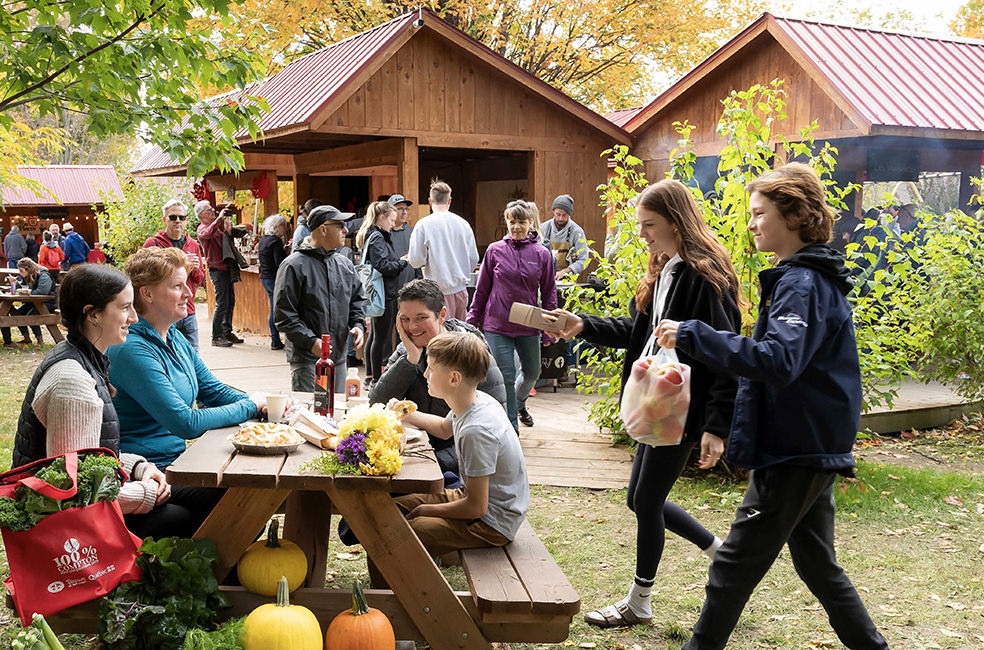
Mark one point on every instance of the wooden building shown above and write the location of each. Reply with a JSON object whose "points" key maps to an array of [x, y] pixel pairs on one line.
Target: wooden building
{"points": [[387, 110], [893, 104], [71, 193]]}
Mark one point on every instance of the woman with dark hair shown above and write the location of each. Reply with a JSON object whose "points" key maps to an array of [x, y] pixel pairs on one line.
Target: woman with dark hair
{"points": [[376, 244], [68, 403], [302, 230], [272, 252], [158, 375], [50, 255], [39, 282], [689, 275]]}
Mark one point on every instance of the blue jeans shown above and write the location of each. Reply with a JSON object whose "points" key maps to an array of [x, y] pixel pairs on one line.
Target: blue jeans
{"points": [[268, 284], [528, 348], [189, 327]]}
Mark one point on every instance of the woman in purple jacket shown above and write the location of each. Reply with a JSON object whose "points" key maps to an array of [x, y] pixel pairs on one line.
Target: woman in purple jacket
{"points": [[516, 269]]}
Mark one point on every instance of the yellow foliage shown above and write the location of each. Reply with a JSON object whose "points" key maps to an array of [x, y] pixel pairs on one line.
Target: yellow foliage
{"points": [[969, 20], [20, 145]]}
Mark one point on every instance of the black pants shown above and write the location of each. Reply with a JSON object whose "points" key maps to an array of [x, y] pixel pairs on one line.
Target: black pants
{"points": [[654, 471], [380, 343], [179, 517], [23, 310], [784, 504], [225, 302]]}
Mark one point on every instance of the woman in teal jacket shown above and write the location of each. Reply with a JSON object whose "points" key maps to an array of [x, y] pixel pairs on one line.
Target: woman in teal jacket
{"points": [[158, 375]]}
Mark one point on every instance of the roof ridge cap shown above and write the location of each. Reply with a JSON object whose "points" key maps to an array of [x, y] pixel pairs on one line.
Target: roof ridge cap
{"points": [[878, 30]]}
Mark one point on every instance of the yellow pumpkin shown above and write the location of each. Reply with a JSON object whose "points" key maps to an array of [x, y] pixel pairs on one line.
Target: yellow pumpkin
{"points": [[264, 562], [281, 626], [361, 628]]}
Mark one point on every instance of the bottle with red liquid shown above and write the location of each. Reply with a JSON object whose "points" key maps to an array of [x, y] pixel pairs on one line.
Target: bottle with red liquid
{"points": [[324, 380]]}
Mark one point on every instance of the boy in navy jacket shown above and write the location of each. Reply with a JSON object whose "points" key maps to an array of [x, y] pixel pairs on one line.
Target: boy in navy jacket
{"points": [[796, 412]]}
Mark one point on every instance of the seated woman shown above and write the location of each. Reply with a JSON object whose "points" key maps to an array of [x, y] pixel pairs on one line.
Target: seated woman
{"points": [[159, 376], [421, 315], [68, 404], [39, 282]]}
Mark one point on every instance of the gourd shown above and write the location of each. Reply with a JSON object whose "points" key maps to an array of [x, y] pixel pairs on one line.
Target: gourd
{"points": [[264, 562], [361, 628], [281, 626]]}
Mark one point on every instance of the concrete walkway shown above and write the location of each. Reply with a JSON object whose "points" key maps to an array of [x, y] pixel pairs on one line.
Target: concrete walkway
{"points": [[563, 448]]}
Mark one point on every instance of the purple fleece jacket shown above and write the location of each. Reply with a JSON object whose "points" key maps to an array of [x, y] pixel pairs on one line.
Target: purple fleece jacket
{"points": [[512, 271]]}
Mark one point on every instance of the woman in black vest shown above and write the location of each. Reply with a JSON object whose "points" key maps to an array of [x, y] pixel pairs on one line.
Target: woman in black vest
{"points": [[68, 403]]}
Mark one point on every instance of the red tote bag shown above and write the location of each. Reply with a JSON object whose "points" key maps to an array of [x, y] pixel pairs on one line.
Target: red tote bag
{"points": [[71, 556]]}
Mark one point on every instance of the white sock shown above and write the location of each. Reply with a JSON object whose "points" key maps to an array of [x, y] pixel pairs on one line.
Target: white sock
{"points": [[640, 596], [712, 549]]}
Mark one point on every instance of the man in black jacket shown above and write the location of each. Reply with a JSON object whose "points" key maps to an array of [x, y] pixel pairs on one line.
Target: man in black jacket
{"points": [[318, 292]]}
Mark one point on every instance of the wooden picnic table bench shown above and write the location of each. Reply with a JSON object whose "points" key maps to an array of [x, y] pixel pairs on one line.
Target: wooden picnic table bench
{"points": [[518, 593], [43, 317]]}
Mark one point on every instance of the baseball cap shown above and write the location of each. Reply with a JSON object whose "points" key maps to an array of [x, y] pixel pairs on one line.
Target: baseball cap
{"points": [[318, 216], [397, 199]]}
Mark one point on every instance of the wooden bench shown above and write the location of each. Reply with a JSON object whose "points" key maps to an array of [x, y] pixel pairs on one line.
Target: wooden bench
{"points": [[519, 587]]}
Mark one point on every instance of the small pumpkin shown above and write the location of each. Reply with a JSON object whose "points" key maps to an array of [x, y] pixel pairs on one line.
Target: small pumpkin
{"points": [[281, 626], [361, 628], [264, 562]]}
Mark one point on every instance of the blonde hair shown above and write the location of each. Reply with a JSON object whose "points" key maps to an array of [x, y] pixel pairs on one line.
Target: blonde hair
{"points": [[373, 214], [150, 266], [32, 268], [461, 351]]}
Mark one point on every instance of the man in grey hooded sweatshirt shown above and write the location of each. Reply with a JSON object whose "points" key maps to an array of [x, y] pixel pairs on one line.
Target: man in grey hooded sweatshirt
{"points": [[565, 238]]}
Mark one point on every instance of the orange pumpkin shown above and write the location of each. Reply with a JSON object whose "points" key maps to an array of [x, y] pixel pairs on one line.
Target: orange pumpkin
{"points": [[361, 628]]}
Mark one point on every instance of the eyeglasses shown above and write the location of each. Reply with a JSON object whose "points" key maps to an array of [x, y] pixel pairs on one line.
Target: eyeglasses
{"points": [[177, 217], [519, 202]]}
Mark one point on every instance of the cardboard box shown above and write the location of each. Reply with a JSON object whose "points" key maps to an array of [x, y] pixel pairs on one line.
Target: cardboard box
{"points": [[540, 319]]}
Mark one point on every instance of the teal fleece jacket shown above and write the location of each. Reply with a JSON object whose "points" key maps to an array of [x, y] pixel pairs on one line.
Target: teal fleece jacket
{"points": [[157, 384]]}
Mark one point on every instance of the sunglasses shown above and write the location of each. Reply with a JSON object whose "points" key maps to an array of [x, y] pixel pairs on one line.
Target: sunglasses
{"points": [[519, 202], [177, 217]]}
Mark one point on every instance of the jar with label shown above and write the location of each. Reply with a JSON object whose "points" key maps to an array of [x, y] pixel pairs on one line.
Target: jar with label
{"points": [[353, 385]]}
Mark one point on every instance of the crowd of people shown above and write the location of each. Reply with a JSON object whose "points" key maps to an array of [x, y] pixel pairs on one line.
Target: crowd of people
{"points": [[786, 400]]}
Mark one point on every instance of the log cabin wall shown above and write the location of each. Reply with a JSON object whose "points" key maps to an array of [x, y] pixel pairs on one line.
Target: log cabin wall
{"points": [[439, 95]]}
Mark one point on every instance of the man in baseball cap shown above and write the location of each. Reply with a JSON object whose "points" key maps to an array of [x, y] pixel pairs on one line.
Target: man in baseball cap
{"points": [[306, 306]]}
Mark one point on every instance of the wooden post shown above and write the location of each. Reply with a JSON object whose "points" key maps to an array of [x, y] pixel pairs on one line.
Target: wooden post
{"points": [[407, 170], [302, 192], [271, 204]]}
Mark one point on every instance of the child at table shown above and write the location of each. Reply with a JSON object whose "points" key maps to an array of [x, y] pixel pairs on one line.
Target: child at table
{"points": [[492, 505]]}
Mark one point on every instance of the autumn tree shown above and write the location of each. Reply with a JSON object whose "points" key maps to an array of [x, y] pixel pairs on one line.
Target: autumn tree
{"points": [[131, 66], [601, 52], [969, 20]]}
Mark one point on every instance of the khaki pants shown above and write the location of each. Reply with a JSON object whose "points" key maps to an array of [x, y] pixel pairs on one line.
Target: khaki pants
{"points": [[439, 535]]}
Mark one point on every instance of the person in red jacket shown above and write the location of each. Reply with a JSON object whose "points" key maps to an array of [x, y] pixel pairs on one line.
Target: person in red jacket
{"points": [[175, 219], [50, 255]]}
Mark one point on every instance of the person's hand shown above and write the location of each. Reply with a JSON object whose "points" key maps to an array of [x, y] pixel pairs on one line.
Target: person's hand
{"points": [[711, 449], [316, 348], [419, 511], [559, 275], [358, 337], [151, 473], [666, 333], [260, 400], [413, 351], [573, 327], [192, 258]]}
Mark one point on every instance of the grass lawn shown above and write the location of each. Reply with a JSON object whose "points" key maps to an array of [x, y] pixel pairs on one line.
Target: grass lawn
{"points": [[910, 535]]}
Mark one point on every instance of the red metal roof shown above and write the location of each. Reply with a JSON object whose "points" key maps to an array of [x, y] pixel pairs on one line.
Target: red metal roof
{"points": [[69, 184], [895, 79], [623, 115], [890, 79]]}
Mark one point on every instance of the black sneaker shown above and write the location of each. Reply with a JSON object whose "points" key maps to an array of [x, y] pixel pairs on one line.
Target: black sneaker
{"points": [[221, 343], [525, 417], [232, 338], [276, 345]]}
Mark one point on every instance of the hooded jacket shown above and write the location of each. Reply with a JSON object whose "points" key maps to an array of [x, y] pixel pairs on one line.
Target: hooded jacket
{"points": [[76, 250], [50, 256], [799, 392], [190, 247], [512, 271], [317, 292]]}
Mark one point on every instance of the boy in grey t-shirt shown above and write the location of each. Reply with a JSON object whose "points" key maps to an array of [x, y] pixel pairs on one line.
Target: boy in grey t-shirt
{"points": [[491, 507]]}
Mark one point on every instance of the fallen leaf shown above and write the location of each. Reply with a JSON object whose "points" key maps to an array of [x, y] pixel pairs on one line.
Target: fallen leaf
{"points": [[956, 606], [951, 633], [953, 500], [587, 645], [354, 555]]}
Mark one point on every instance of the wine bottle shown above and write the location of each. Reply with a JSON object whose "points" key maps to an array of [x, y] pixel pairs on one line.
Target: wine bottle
{"points": [[324, 380]]}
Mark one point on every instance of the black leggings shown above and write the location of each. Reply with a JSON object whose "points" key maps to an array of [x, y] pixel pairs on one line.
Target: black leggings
{"points": [[654, 471], [380, 343], [179, 517]]}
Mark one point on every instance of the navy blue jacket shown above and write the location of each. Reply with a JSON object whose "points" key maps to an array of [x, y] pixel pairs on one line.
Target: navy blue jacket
{"points": [[799, 392]]}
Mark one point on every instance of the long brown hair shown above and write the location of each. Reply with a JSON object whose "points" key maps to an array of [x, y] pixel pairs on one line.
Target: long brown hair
{"points": [[696, 242], [32, 268]]}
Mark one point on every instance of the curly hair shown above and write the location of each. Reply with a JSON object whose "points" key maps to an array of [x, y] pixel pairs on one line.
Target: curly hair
{"points": [[150, 266], [801, 199]]}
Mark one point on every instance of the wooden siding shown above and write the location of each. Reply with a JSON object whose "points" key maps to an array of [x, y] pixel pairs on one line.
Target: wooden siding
{"points": [[763, 60]]}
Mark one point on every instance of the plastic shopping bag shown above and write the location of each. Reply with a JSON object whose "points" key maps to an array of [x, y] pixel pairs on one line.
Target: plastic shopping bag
{"points": [[70, 556], [656, 399]]}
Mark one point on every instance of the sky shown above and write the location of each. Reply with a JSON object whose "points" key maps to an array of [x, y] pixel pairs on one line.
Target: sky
{"points": [[932, 16]]}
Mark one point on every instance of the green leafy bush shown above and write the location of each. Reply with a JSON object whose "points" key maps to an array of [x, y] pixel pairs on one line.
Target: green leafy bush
{"points": [[125, 225]]}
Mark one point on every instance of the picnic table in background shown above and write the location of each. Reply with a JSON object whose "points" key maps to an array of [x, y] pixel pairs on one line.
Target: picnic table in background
{"points": [[43, 317]]}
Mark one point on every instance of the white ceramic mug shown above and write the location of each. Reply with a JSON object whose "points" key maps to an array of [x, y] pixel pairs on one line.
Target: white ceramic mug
{"points": [[276, 405]]}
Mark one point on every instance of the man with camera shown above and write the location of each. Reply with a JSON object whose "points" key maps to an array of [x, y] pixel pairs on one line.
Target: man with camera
{"points": [[212, 231]]}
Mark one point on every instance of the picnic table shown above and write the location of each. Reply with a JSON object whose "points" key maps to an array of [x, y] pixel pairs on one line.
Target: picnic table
{"points": [[418, 601], [43, 317]]}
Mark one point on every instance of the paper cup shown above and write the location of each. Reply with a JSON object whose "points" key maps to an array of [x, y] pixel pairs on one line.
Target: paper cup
{"points": [[276, 405]]}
